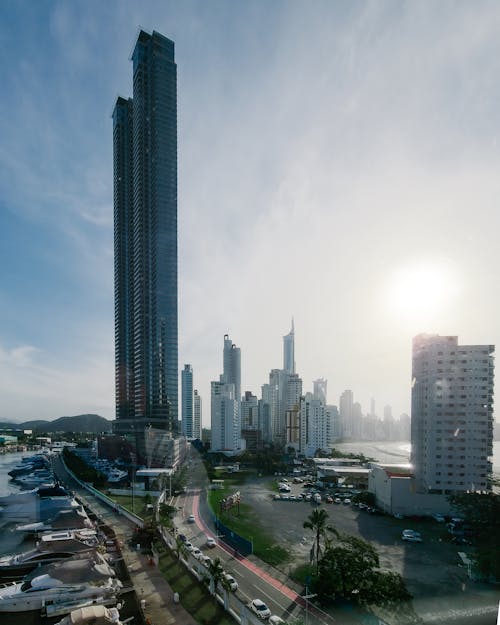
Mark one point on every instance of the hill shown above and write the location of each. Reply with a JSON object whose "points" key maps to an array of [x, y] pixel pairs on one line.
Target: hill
{"points": [[91, 423]]}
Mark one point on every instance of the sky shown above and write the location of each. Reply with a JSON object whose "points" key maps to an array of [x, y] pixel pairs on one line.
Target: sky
{"points": [[338, 162]]}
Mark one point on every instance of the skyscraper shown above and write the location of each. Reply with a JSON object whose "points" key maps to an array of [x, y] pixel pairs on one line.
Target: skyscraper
{"points": [[197, 416], [187, 401], [289, 351], [451, 414], [145, 215], [225, 403], [232, 366]]}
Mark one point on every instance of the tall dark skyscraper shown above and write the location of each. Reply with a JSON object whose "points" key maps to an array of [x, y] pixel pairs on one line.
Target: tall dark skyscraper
{"points": [[145, 231]]}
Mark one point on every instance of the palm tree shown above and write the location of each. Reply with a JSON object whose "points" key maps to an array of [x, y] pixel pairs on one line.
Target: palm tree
{"points": [[317, 522], [216, 573], [180, 548]]}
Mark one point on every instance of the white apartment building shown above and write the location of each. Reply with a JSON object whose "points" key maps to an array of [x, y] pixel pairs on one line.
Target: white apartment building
{"points": [[187, 401], [314, 426], [197, 414], [451, 415], [225, 418]]}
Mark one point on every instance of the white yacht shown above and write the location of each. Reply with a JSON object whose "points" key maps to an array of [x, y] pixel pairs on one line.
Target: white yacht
{"points": [[35, 509], [52, 548], [75, 518], [115, 475], [92, 615], [64, 584]]}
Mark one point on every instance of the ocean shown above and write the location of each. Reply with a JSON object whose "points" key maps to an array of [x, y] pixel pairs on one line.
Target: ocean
{"points": [[394, 452]]}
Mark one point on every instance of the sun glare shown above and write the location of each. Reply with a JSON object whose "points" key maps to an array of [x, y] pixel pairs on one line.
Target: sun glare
{"points": [[421, 290]]}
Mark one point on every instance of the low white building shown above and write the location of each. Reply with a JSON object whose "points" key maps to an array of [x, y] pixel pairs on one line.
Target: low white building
{"points": [[395, 492]]}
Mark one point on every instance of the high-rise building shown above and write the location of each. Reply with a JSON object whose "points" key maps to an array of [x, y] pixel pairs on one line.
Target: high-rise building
{"points": [[225, 403], [145, 227], [232, 366], [346, 403], [319, 389], [314, 426], [225, 419], [197, 415], [249, 411], [289, 351], [451, 414], [187, 401]]}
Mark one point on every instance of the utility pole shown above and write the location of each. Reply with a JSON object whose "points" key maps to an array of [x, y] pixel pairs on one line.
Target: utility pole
{"points": [[307, 596]]}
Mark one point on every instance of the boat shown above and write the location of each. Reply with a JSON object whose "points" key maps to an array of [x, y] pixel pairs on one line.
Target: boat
{"points": [[115, 475], [61, 584], [46, 552], [36, 478], [53, 490], [87, 612], [88, 536], [68, 519], [36, 509]]}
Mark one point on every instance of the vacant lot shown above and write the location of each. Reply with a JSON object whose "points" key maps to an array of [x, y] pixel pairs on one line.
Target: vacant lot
{"points": [[431, 568]]}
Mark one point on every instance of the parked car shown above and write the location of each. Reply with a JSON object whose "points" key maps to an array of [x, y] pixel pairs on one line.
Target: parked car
{"points": [[259, 608], [347, 502], [210, 542], [191, 518], [276, 620], [195, 552], [411, 536], [233, 584], [205, 560]]}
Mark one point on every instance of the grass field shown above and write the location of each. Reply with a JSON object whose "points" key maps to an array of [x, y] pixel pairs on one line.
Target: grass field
{"points": [[194, 596], [137, 505], [247, 524]]}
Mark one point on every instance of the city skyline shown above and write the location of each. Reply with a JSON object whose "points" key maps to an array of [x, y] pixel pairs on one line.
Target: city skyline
{"points": [[322, 175]]}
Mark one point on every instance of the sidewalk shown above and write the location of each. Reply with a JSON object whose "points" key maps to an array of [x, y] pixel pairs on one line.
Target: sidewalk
{"points": [[150, 586]]}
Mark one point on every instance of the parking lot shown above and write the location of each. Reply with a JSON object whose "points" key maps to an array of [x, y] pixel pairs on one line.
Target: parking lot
{"points": [[430, 568]]}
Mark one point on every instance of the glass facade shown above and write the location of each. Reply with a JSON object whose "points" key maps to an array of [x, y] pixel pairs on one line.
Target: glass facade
{"points": [[145, 155]]}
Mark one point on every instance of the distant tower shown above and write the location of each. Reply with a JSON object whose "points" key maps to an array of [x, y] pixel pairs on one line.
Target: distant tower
{"points": [[187, 401], [451, 414], [289, 351], [225, 403], [319, 390], [346, 412], [232, 366], [197, 416]]}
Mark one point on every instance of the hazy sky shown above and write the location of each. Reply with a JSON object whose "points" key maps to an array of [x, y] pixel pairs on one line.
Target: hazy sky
{"points": [[338, 162]]}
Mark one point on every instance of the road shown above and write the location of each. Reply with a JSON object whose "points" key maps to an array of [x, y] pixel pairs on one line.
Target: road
{"points": [[254, 582]]}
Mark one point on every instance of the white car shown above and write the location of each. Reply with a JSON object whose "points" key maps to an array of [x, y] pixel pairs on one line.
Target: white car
{"points": [[189, 546], [196, 553], [411, 536], [346, 502], [205, 560], [210, 542], [259, 608], [233, 584], [276, 620], [191, 518]]}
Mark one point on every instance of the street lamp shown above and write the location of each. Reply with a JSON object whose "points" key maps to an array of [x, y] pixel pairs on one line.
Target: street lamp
{"points": [[307, 596]]}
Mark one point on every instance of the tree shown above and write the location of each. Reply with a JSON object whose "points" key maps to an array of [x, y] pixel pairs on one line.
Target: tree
{"points": [[482, 519], [317, 522], [349, 570], [216, 573]]}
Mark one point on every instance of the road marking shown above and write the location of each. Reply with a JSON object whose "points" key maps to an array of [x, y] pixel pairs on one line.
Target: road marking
{"points": [[269, 597]]}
